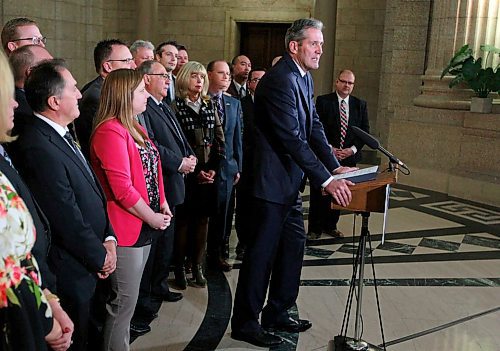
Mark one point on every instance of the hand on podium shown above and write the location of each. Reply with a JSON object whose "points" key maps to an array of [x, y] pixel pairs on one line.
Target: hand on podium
{"points": [[339, 190], [342, 170]]}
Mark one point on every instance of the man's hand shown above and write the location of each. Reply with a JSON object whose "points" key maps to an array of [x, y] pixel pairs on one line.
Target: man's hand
{"points": [[236, 178], [206, 177], [188, 164], [343, 169], [339, 190], [110, 261]]}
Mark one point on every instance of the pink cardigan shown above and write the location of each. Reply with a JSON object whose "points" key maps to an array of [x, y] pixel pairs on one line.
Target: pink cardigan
{"points": [[117, 164]]}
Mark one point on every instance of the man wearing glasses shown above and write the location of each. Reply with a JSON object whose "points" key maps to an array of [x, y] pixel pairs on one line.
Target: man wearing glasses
{"points": [[20, 32], [337, 111], [109, 55]]}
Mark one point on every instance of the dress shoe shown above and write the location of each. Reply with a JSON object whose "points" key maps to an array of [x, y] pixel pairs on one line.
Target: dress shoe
{"points": [[291, 325], [137, 330], [259, 338], [334, 233], [172, 296], [219, 264], [313, 235]]}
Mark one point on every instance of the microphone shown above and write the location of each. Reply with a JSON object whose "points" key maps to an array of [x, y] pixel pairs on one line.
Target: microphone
{"points": [[374, 144]]}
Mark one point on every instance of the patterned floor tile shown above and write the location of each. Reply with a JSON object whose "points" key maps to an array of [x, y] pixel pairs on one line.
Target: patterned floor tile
{"points": [[439, 244], [471, 212], [479, 241], [317, 252], [396, 247]]}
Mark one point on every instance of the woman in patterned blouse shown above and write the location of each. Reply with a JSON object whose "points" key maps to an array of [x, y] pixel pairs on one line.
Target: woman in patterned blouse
{"points": [[128, 167]]}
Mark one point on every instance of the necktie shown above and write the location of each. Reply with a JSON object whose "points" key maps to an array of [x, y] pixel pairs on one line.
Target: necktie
{"points": [[78, 153], [219, 105], [243, 92], [344, 120]]}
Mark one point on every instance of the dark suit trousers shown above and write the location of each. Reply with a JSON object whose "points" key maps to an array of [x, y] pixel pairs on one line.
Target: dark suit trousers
{"points": [[276, 246], [216, 239], [154, 278], [80, 315]]}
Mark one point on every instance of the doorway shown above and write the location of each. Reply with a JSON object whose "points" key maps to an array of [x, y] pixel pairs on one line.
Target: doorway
{"points": [[261, 42]]}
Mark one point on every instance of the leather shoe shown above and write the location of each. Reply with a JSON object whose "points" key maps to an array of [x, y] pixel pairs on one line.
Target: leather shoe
{"points": [[334, 233], [313, 235], [220, 264], [138, 330], [172, 296], [259, 338], [291, 325]]}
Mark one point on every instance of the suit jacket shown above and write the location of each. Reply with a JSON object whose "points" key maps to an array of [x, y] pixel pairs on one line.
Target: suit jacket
{"points": [[23, 113], [88, 104], [290, 143], [73, 202], [163, 134], [42, 243], [234, 92], [232, 164], [329, 114], [248, 141], [117, 163]]}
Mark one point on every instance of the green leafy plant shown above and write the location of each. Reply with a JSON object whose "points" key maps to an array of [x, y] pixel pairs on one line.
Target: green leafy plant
{"points": [[470, 71]]}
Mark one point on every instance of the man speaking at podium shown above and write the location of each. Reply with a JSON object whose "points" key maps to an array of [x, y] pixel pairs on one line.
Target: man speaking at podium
{"points": [[290, 147]]}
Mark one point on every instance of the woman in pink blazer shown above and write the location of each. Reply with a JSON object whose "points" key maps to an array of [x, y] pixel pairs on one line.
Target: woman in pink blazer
{"points": [[128, 167]]}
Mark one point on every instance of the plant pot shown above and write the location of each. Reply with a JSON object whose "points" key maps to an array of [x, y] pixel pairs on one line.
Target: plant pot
{"points": [[481, 105]]}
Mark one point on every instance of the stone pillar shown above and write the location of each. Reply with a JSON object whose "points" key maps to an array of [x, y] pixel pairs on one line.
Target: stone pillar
{"points": [[147, 19], [454, 24]]}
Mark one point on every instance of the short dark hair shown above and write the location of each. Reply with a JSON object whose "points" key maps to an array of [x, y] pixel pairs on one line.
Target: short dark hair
{"points": [[20, 60], [9, 31], [102, 51], [181, 47], [256, 69], [297, 30], [44, 81], [161, 45]]}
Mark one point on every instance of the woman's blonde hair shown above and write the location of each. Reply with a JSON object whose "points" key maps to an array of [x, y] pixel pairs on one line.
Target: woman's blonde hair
{"points": [[116, 99], [182, 79], [6, 96]]}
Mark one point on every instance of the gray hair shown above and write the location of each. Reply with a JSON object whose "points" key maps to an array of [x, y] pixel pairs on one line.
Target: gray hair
{"points": [[141, 44], [296, 32], [147, 66]]}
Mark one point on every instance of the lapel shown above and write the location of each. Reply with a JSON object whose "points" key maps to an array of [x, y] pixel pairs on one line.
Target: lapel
{"points": [[62, 145], [306, 99], [157, 109], [336, 110], [228, 109]]}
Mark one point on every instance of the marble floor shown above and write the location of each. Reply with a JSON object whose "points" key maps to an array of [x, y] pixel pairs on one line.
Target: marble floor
{"points": [[438, 275]]}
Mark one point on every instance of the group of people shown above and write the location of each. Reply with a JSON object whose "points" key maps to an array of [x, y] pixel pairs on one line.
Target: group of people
{"points": [[141, 169]]}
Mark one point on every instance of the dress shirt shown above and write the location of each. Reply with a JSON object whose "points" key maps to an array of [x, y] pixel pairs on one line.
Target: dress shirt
{"points": [[238, 87], [195, 106], [62, 132]]}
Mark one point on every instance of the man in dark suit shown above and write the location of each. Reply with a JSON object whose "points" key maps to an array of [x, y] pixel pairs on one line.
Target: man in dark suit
{"points": [[243, 195], [177, 160], [290, 145], [228, 110], [240, 68], [166, 53], [337, 111], [109, 54], [83, 243], [22, 60]]}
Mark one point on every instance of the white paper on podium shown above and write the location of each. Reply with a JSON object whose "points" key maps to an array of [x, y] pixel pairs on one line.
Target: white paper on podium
{"points": [[357, 173], [386, 210]]}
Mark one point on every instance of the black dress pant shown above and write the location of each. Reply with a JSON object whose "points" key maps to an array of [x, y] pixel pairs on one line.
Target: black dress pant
{"points": [[274, 251]]}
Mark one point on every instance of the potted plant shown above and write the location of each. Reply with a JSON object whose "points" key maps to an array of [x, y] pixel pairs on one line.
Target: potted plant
{"points": [[470, 71]]}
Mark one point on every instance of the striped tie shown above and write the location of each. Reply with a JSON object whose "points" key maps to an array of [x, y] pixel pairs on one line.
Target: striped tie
{"points": [[344, 120]]}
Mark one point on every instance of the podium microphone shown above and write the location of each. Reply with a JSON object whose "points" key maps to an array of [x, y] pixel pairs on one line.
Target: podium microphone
{"points": [[374, 144]]}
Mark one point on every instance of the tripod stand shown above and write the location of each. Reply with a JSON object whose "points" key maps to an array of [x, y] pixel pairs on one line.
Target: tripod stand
{"points": [[367, 197]]}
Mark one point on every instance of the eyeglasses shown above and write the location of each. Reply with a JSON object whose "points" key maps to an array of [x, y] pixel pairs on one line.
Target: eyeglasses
{"points": [[127, 60], [255, 80], [346, 82], [34, 40], [162, 75]]}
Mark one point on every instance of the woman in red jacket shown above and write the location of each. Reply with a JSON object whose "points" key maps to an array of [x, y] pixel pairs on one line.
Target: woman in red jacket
{"points": [[128, 167]]}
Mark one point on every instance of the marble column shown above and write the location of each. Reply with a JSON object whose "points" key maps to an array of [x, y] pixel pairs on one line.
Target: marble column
{"points": [[454, 24]]}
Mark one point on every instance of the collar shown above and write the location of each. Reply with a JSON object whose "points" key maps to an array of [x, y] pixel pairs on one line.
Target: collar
{"points": [[57, 127], [301, 71], [238, 86], [340, 99], [156, 101]]}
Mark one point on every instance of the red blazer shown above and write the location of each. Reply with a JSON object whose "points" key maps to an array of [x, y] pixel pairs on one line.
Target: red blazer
{"points": [[117, 164]]}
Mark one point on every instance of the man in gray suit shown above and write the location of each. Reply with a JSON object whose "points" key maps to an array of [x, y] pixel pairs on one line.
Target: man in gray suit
{"points": [[177, 159], [229, 111]]}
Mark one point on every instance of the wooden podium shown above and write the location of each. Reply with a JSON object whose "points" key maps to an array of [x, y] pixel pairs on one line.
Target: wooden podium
{"points": [[369, 196]]}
